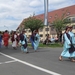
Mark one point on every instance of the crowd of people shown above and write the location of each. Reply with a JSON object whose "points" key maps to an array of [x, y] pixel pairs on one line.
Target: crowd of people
{"points": [[68, 41], [19, 39], [50, 40]]}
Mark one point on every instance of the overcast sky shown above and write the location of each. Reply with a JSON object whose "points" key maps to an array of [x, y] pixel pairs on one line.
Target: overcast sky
{"points": [[12, 12]]}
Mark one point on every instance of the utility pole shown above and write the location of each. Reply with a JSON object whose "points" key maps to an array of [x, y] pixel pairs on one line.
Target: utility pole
{"points": [[46, 13]]}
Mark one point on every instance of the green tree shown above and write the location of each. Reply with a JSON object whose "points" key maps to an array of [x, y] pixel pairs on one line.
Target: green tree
{"points": [[59, 25], [33, 23]]}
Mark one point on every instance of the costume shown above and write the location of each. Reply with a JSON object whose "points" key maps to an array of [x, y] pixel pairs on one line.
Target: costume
{"points": [[23, 42], [0, 40], [14, 41], [36, 41], [73, 42], [6, 39], [66, 46], [32, 40]]}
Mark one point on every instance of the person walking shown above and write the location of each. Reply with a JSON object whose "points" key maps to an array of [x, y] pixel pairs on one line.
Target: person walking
{"points": [[72, 49], [6, 37], [23, 42], [14, 40], [0, 39], [36, 40], [32, 39], [66, 46]]}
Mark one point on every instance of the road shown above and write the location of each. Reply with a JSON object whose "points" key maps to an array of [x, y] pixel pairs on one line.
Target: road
{"points": [[43, 62]]}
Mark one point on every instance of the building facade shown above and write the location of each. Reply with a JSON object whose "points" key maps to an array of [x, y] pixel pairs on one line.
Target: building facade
{"points": [[49, 29]]}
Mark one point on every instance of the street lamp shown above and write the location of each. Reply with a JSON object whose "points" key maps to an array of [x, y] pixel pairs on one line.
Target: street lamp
{"points": [[46, 14]]}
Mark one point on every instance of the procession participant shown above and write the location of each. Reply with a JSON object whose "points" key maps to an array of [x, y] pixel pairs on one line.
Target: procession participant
{"points": [[32, 39], [0, 39], [14, 40], [67, 45], [36, 40], [6, 37], [23, 42]]}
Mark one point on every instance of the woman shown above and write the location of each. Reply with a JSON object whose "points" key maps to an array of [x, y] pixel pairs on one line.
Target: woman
{"points": [[72, 49], [6, 37], [36, 40], [23, 42], [14, 41], [67, 45]]}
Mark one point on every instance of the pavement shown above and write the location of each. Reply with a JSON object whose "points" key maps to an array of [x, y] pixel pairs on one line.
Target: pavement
{"points": [[43, 62]]}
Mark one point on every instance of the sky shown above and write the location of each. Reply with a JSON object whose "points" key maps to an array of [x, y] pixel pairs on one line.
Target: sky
{"points": [[12, 12]]}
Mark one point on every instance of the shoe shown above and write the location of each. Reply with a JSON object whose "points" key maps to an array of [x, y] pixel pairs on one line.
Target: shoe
{"points": [[27, 52]]}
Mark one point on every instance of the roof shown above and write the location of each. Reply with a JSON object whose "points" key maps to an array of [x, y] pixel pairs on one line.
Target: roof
{"points": [[69, 11]]}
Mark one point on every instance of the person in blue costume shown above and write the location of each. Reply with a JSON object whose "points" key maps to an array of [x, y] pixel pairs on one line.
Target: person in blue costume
{"points": [[23, 42], [32, 39], [67, 45], [36, 40], [0, 39], [72, 35]]}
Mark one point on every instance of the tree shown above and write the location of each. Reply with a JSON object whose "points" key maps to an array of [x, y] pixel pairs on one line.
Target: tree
{"points": [[59, 25], [33, 23]]}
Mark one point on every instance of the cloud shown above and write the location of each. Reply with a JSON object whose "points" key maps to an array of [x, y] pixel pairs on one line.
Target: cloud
{"points": [[12, 12], [58, 4], [36, 3]]}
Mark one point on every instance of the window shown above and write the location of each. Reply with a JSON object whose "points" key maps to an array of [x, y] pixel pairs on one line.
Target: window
{"points": [[29, 30], [50, 17], [52, 28], [41, 35], [46, 34], [46, 29], [73, 19], [68, 13], [56, 16]]}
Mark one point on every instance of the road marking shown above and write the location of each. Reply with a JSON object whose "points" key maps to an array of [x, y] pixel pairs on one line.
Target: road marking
{"points": [[8, 62], [31, 65]]}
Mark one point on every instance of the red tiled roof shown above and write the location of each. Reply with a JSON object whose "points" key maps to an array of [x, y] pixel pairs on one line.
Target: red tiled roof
{"points": [[57, 14]]}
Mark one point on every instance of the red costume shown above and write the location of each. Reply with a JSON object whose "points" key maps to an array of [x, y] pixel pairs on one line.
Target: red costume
{"points": [[6, 38]]}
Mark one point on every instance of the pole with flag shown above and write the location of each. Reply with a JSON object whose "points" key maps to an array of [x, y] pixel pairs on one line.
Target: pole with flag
{"points": [[46, 12]]}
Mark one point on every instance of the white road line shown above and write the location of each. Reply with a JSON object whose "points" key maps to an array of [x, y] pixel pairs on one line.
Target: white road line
{"points": [[8, 62], [31, 65]]}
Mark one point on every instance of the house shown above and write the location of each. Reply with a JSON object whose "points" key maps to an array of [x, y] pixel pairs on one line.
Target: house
{"points": [[52, 15]]}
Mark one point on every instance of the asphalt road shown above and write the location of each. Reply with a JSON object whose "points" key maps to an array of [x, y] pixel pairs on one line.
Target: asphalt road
{"points": [[43, 62]]}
